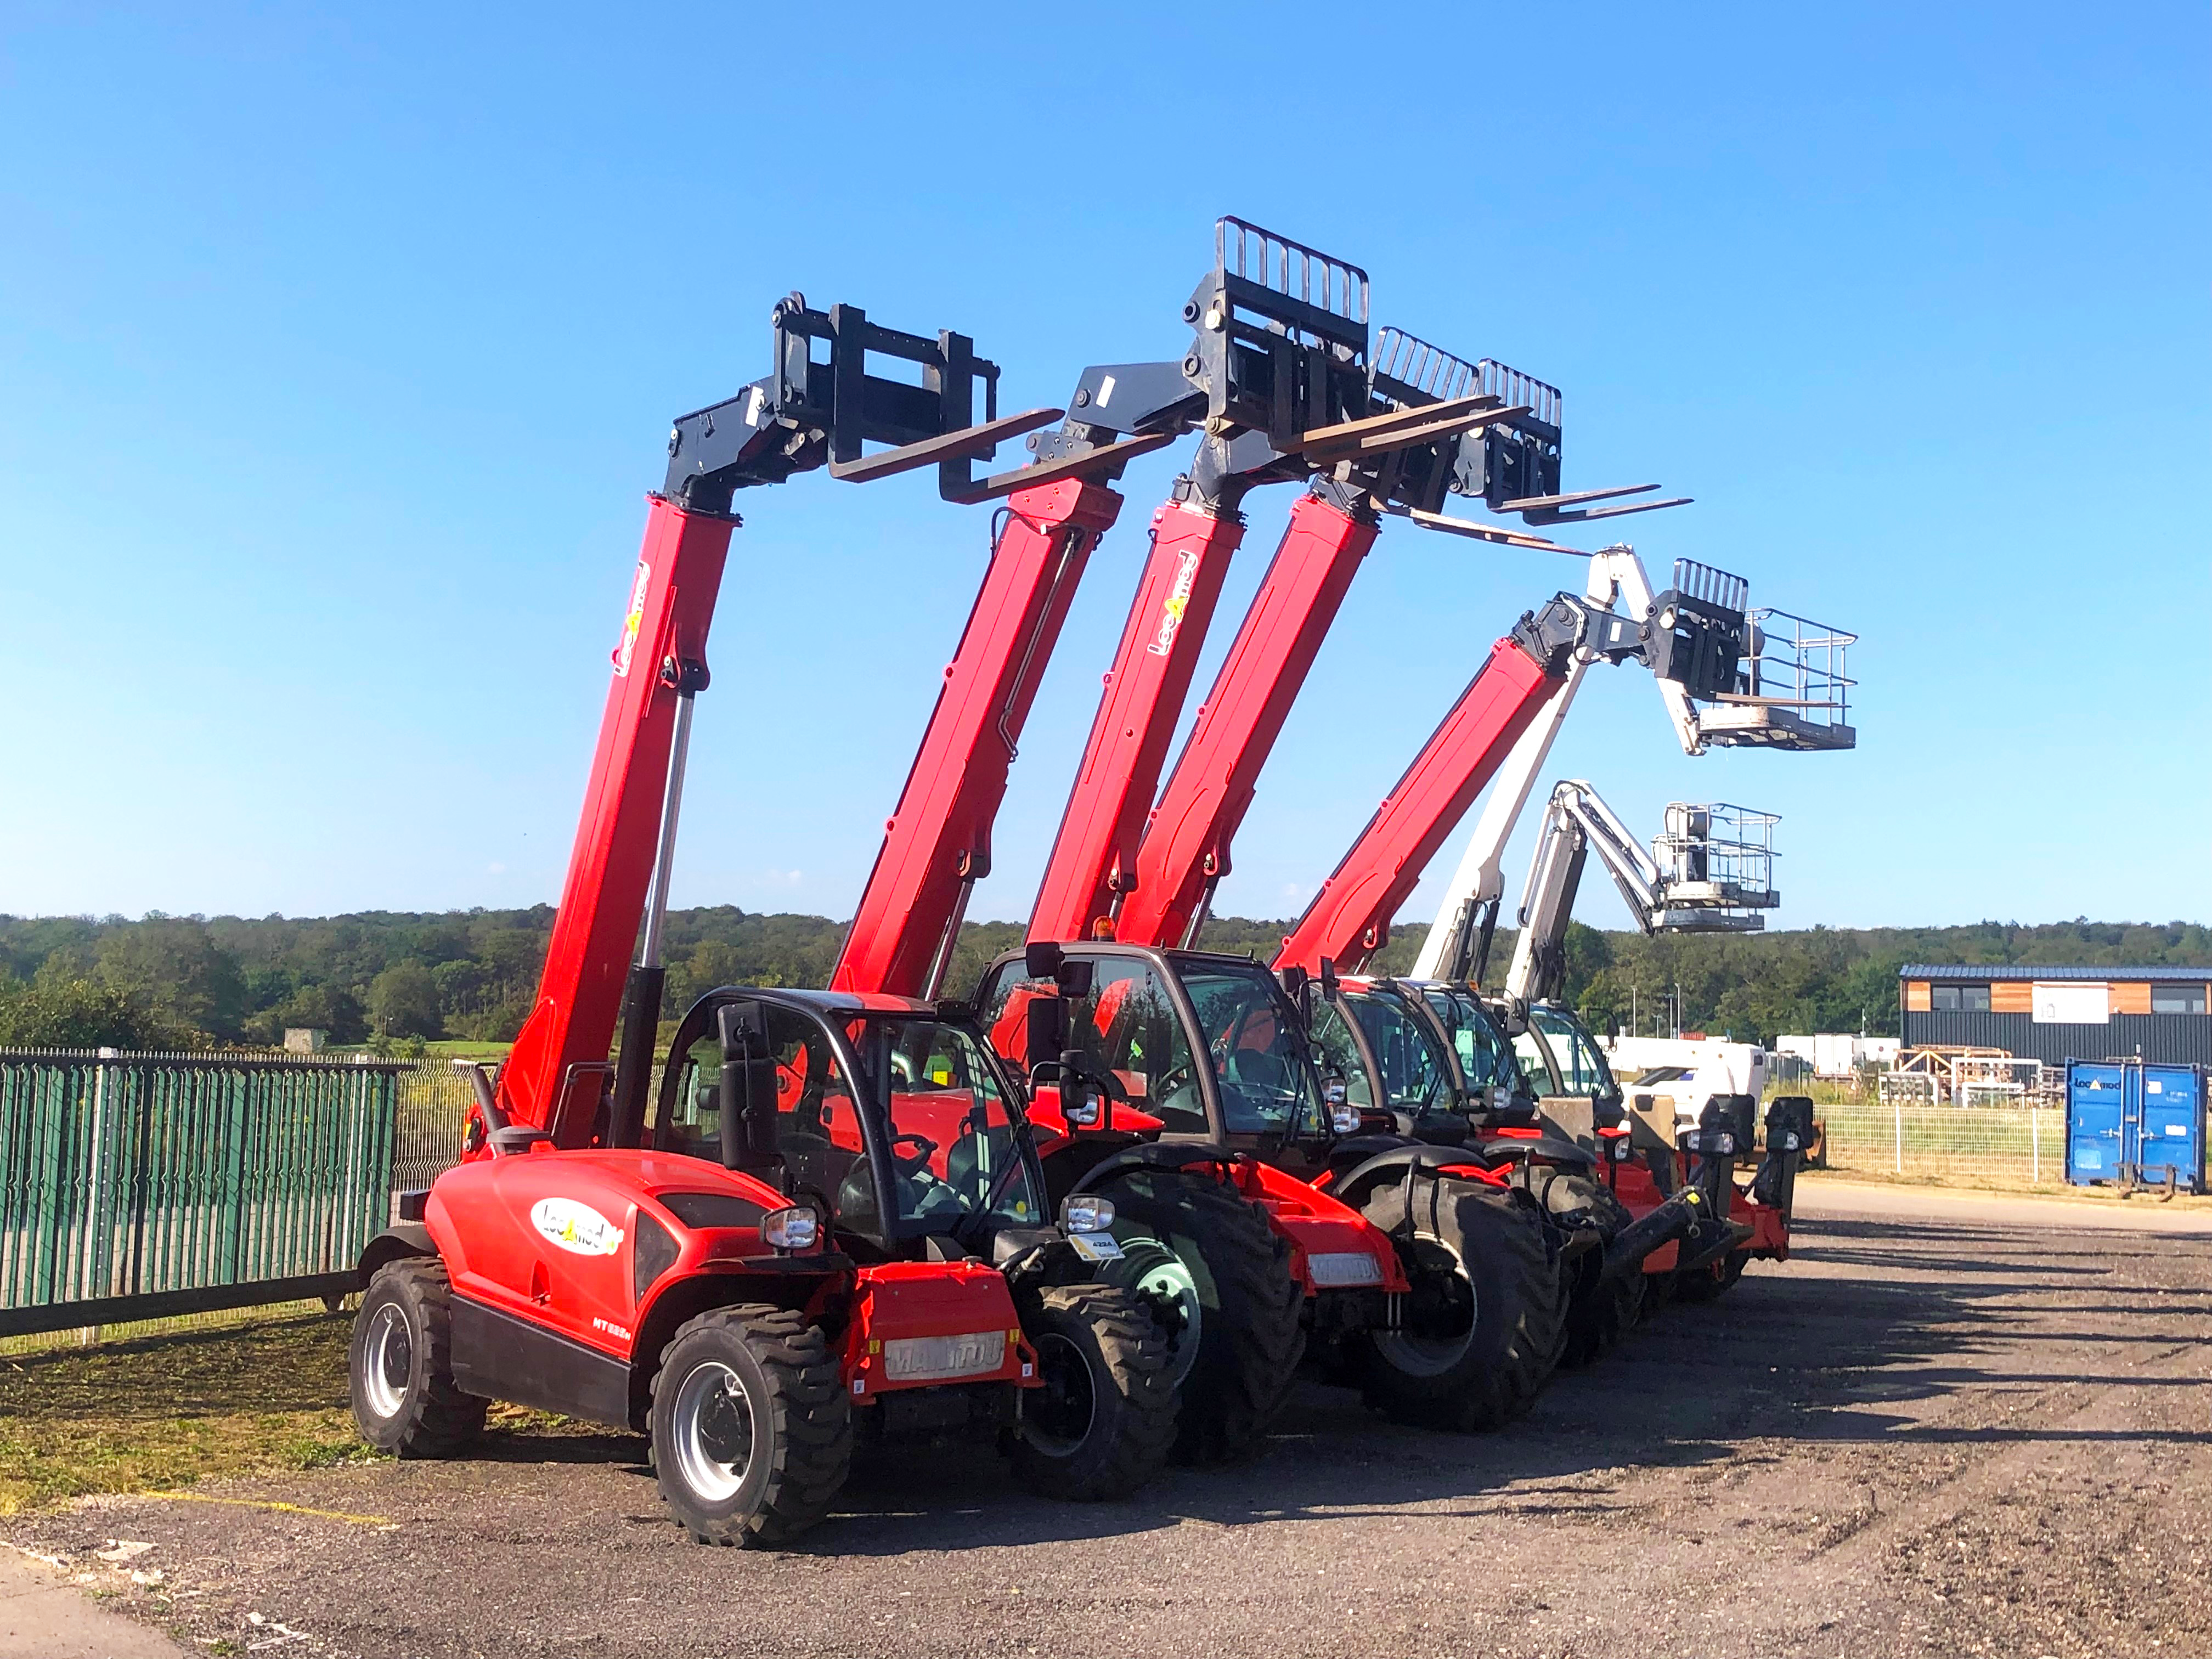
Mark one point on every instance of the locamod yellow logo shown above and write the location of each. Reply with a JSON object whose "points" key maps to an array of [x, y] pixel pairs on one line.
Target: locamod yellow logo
{"points": [[577, 1228], [633, 621]]}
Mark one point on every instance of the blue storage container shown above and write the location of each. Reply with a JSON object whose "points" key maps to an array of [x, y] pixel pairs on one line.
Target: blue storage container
{"points": [[2135, 1123]]}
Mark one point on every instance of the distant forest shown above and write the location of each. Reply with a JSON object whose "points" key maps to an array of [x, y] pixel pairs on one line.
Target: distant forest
{"points": [[386, 976]]}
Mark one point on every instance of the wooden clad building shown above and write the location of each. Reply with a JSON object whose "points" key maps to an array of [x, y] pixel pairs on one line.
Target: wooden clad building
{"points": [[2057, 1014]]}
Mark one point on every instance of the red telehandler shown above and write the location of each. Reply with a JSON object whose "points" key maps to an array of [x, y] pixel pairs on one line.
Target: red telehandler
{"points": [[830, 1220], [1277, 380], [1426, 1278], [1722, 670]]}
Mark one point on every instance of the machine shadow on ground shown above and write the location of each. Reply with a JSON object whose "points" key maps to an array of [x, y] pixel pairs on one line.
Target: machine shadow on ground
{"points": [[1811, 1357]]}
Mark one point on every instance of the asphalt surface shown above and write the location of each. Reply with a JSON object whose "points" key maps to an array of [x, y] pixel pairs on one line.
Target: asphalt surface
{"points": [[1949, 1425]]}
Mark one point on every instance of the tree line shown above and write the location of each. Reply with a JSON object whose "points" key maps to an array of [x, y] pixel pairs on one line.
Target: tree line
{"points": [[164, 982]]}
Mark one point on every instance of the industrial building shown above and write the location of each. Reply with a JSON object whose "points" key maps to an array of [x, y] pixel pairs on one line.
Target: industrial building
{"points": [[2058, 1014]]}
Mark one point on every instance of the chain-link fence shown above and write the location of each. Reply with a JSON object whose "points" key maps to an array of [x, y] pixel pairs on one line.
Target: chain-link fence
{"points": [[2011, 1145], [434, 1096]]}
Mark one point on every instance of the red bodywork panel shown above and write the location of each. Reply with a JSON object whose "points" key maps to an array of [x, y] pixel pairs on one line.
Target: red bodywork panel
{"points": [[1770, 1234], [1350, 920], [547, 1237], [1317, 1224], [1095, 853], [1185, 845], [1640, 1194], [903, 1299], [939, 839], [679, 572]]}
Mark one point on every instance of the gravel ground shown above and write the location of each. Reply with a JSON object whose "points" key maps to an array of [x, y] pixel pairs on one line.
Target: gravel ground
{"points": [[1952, 1424]]}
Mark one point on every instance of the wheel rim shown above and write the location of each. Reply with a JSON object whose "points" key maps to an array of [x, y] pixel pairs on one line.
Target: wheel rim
{"points": [[713, 1429], [387, 1361], [1440, 1315], [1059, 1416], [1166, 1285]]}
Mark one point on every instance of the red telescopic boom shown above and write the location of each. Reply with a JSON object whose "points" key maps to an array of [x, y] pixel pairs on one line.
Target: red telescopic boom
{"points": [[1185, 851], [1350, 920], [660, 659], [937, 844], [805, 414], [1094, 856]]}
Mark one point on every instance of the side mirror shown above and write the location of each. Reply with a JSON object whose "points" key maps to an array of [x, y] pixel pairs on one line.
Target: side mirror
{"points": [[1047, 1034], [1328, 979], [1041, 959], [1336, 1096], [1083, 1106], [1074, 978], [747, 1093], [1298, 986]]}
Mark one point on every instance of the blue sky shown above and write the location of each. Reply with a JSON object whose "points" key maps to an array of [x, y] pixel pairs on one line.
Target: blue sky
{"points": [[336, 351]]}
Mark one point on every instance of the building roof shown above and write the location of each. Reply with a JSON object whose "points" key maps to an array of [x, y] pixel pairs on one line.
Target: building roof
{"points": [[1979, 973]]}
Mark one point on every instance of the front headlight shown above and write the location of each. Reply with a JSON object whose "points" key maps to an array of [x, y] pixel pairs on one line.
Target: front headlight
{"points": [[796, 1228], [1086, 1212]]}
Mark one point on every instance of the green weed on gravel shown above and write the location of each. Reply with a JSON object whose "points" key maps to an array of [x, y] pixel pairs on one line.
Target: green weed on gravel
{"points": [[163, 1411]]}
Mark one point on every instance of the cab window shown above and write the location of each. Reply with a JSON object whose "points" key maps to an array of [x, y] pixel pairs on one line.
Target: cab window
{"points": [[1127, 1026], [948, 1123], [1582, 1068], [1412, 1071], [1261, 1065], [1536, 1070], [817, 1125], [1483, 1057], [1339, 1052]]}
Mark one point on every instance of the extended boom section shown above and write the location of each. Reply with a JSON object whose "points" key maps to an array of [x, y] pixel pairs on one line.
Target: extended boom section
{"points": [[1350, 920], [820, 406], [1186, 848], [1281, 357], [1094, 856], [937, 845], [659, 663]]}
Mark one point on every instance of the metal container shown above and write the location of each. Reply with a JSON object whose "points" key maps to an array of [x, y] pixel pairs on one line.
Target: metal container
{"points": [[2132, 1123]]}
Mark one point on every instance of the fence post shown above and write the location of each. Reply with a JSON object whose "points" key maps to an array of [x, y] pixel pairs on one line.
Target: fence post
{"points": [[2035, 1147], [1899, 1109]]}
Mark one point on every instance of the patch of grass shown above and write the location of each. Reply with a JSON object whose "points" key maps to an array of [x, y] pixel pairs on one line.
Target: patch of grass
{"points": [[164, 1410], [167, 1410]]}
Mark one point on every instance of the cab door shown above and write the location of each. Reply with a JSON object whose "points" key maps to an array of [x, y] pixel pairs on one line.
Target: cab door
{"points": [[544, 1236]]}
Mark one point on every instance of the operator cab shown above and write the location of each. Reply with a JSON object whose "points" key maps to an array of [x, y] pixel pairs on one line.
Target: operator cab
{"points": [[897, 1124], [1396, 1060], [1210, 1046], [1564, 1067], [1490, 1076]]}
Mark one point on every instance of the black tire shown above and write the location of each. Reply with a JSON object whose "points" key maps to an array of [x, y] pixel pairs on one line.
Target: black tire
{"points": [[400, 1364], [755, 1383], [1600, 1311], [1199, 1255], [1485, 1322], [1711, 1282], [1103, 1423]]}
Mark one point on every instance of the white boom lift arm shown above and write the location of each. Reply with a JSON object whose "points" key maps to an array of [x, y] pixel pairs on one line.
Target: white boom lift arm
{"points": [[1711, 872], [1803, 662]]}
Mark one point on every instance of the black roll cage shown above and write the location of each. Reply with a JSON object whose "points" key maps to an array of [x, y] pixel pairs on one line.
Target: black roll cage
{"points": [[1424, 1020], [1169, 964], [876, 1138]]}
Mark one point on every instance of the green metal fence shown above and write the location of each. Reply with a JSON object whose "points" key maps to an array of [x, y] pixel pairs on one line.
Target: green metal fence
{"points": [[136, 1186]]}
